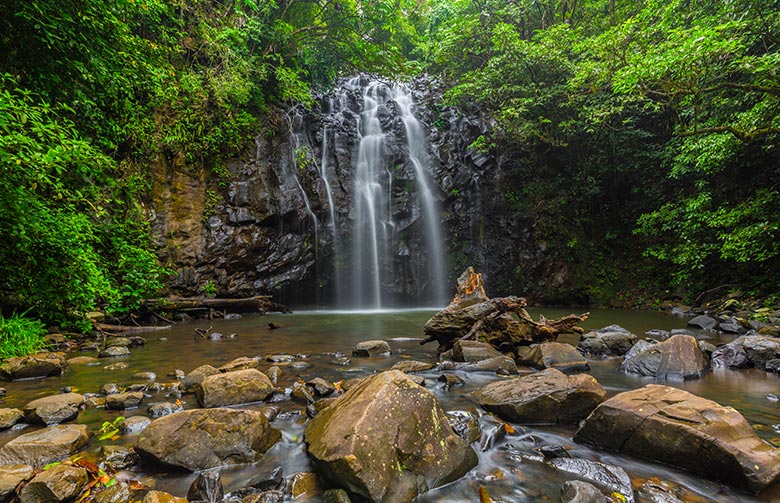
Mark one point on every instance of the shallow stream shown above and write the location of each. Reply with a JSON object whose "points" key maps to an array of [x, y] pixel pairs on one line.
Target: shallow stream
{"points": [[505, 469]]}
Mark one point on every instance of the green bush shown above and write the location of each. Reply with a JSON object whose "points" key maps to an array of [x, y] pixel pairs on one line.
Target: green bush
{"points": [[20, 336]]}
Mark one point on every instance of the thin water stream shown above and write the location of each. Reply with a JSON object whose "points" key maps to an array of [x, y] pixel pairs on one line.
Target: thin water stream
{"points": [[319, 336]]}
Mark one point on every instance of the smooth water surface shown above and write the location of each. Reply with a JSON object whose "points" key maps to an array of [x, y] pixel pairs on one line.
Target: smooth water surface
{"points": [[324, 341]]}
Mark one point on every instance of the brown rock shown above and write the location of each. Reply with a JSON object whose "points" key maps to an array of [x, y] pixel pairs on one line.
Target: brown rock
{"points": [[233, 388], [556, 355], [412, 366], [9, 417], [549, 396], [192, 380], [473, 351], [55, 485], [303, 482], [53, 409], [681, 429], [37, 365], [11, 476], [121, 401], [82, 360], [162, 497], [44, 446], [387, 439]]}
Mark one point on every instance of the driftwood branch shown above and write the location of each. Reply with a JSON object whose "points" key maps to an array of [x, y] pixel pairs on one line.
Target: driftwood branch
{"points": [[260, 303]]}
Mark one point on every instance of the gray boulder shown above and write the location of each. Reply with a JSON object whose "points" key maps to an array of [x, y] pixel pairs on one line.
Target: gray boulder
{"points": [[205, 438], [703, 322], [38, 365], [747, 351], [676, 358], [473, 351], [388, 440], [122, 401], [546, 397], [233, 388], [44, 446], [556, 355], [55, 485], [611, 478], [53, 409], [613, 340]]}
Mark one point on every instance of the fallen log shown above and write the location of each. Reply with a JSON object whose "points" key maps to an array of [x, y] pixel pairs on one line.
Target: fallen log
{"points": [[259, 303], [127, 329], [502, 322]]}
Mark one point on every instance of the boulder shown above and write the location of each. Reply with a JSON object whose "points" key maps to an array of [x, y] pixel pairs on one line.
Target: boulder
{"points": [[502, 365], [241, 363], [613, 340], [677, 358], [557, 355], [412, 366], [44, 446], [192, 381], [114, 352], [9, 417], [233, 388], [206, 488], [37, 365], [675, 427], [118, 493], [703, 322], [652, 492], [388, 440], [118, 457], [611, 478], [55, 485], [134, 424], [320, 387], [161, 409], [576, 491], [473, 351], [371, 348], [205, 438], [122, 401], [83, 360], [549, 396], [162, 497], [747, 351], [53, 409], [11, 476]]}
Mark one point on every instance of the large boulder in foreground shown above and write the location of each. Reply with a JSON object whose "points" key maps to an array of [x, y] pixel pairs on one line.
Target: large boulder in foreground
{"points": [[387, 440], [546, 397], [677, 358], [44, 446], [681, 429], [37, 365], [205, 438], [233, 388]]}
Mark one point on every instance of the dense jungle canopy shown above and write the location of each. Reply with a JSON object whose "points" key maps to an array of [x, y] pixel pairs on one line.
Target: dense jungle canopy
{"points": [[644, 135]]}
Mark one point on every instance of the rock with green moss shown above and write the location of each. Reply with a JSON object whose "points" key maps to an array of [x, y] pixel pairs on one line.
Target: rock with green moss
{"points": [[387, 440]]}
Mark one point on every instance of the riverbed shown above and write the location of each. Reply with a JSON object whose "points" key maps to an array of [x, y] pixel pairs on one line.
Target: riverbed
{"points": [[324, 339]]}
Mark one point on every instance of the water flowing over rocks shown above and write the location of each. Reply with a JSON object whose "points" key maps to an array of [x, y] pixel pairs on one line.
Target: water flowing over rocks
{"points": [[681, 429], [387, 440], [676, 358], [545, 397], [46, 445], [200, 439]]}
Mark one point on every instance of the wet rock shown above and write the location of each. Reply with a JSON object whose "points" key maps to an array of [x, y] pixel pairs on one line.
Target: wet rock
{"points": [[371, 348], [473, 351], [650, 492], [576, 491], [772, 365], [297, 365], [118, 493], [53, 409], [207, 488], [114, 352], [144, 376], [109, 389], [233, 388], [55, 485], [122, 401], [609, 477], [676, 358], [94, 401], [553, 451], [301, 393], [492, 431], [161, 409], [9, 417], [117, 366], [118, 457], [205, 438], [613, 340], [336, 496], [280, 358], [162, 497], [191, 382], [46, 445], [418, 380], [315, 408], [673, 426], [685, 331], [303, 482], [134, 424], [731, 327], [769, 330], [707, 348], [37, 365], [465, 425], [549, 396], [387, 439], [321, 387], [242, 363], [83, 360], [410, 366], [557, 355], [273, 374], [11, 476], [747, 351], [501, 365], [449, 381], [703, 322]]}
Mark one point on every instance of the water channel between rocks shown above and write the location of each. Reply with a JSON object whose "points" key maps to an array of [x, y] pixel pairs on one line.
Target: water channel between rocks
{"points": [[319, 335]]}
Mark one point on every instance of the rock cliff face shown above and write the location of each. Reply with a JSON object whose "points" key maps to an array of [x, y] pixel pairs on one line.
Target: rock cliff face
{"points": [[287, 219]]}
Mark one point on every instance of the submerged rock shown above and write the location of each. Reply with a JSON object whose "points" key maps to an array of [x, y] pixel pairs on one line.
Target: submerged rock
{"points": [[673, 426], [549, 396], [38, 365], [205, 438], [388, 440], [676, 358], [44, 446]]}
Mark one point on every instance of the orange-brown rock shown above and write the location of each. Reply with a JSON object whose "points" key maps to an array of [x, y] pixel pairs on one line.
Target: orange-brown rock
{"points": [[681, 429]]}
